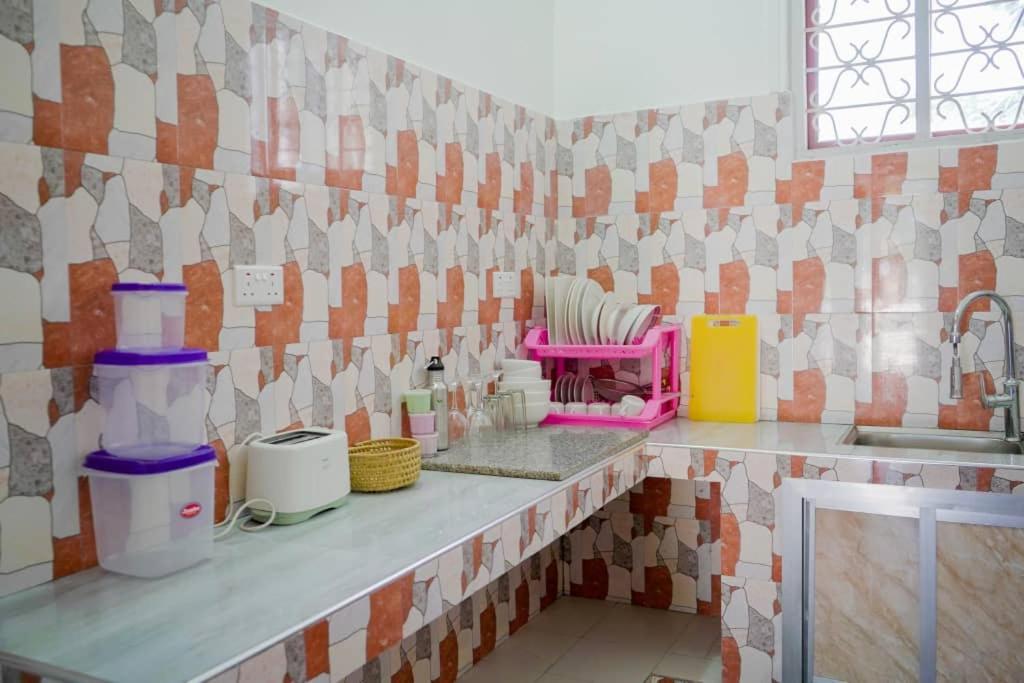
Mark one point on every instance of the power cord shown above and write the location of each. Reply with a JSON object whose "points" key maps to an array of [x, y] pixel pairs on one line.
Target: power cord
{"points": [[230, 520]]}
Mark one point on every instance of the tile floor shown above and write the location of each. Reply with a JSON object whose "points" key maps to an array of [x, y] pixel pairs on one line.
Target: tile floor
{"points": [[577, 640]]}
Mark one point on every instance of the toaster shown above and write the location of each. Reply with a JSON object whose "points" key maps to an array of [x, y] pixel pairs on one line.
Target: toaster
{"points": [[302, 472]]}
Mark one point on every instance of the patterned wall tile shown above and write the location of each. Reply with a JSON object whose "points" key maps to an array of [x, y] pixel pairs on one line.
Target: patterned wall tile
{"points": [[410, 147], [458, 142], [496, 153], [34, 249]]}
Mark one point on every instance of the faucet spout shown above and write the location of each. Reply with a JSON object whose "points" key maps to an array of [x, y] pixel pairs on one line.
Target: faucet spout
{"points": [[956, 376], [1009, 400]]}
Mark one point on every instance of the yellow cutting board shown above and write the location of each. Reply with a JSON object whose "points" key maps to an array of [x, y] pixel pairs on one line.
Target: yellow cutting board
{"points": [[724, 372]]}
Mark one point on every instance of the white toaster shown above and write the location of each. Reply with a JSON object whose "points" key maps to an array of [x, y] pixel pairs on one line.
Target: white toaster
{"points": [[302, 472]]}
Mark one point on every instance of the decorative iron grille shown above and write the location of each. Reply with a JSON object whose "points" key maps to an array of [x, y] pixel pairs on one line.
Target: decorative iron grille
{"points": [[888, 70]]}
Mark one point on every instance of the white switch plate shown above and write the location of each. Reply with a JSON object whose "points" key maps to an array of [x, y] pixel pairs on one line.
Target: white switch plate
{"points": [[259, 285], [504, 284]]}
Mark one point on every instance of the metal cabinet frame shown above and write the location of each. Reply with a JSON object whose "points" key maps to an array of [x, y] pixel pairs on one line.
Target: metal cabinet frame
{"points": [[800, 499]]}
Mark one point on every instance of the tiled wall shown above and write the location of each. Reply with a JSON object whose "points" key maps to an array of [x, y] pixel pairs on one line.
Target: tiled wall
{"points": [[655, 546], [853, 263], [468, 632], [171, 141]]}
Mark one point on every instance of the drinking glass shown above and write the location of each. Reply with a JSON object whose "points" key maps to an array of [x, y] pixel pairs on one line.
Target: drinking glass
{"points": [[458, 423]]}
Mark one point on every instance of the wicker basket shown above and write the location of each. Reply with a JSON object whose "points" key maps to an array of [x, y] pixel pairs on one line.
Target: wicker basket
{"points": [[384, 464]]}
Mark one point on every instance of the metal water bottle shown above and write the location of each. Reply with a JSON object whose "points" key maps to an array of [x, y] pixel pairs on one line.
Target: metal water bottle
{"points": [[438, 400]]}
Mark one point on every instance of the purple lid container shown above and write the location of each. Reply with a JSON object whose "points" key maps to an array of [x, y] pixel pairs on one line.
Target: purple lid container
{"points": [[105, 462], [169, 356], [148, 287]]}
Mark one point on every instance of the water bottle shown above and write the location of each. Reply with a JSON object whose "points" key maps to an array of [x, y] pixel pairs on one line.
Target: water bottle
{"points": [[438, 400]]}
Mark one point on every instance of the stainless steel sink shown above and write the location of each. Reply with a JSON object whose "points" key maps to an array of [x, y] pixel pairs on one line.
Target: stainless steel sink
{"points": [[932, 440]]}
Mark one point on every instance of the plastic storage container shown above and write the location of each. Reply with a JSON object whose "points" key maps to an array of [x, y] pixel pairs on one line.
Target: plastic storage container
{"points": [[153, 402], [149, 315], [421, 423], [152, 517]]}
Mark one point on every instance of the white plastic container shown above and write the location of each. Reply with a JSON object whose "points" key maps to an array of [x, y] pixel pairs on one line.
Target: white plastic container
{"points": [[149, 315], [153, 403], [152, 517]]}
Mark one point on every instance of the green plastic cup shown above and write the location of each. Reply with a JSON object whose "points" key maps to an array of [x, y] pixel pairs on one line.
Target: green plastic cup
{"points": [[418, 401]]}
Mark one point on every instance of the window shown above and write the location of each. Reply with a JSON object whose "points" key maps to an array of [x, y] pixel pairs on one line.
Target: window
{"points": [[885, 71]]}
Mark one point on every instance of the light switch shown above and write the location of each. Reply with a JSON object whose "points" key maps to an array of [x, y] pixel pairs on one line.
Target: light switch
{"points": [[504, 284], [259, 285]]}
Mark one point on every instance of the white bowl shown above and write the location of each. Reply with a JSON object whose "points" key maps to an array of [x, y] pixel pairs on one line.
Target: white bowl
{"points": [[538, 396], [525, 384], [517, 365], [535, 412], [523, 373]]}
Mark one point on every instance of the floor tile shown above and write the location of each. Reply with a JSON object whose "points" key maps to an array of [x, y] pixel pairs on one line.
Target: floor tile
{"points": [[702, 669], [629, 625], [571, 616], [555, 678], [702, 638], [596, 662], [524, 657]]}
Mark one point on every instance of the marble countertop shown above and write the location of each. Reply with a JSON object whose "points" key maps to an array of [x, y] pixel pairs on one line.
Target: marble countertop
{"points": [[552, 453], [821, 440], [257, 589]]}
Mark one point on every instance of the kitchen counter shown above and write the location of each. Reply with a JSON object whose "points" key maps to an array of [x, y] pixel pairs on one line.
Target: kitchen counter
{"points": [[553, 453], [814, 440], [262, 587]]}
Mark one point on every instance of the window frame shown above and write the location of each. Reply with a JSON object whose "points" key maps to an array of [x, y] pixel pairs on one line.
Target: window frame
{"points": [[798, 92]]}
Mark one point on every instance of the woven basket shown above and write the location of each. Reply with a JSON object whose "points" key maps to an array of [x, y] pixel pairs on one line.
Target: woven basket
{"points": [[384, 464]]}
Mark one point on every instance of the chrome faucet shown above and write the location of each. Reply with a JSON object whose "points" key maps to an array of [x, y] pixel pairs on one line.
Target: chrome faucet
{"points": [[1009, 400]]}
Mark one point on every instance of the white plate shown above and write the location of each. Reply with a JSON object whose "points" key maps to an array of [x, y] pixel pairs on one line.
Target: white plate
{"points": [[595, 321], [567, 387], [563, 312], [562, 284], [616, 320], [572, 315], [549, 307], [626, 322], [608, 312], [587, 391], [577, 388], [560, 383], [642, 323], [590, 302]]}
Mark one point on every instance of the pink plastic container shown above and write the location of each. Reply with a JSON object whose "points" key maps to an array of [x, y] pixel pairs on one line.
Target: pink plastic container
{"points": [[428, 444], [662, 405], [421, 423]]}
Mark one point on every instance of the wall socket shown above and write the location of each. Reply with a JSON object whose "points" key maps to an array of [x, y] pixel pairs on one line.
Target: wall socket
{"points": [[259, 285], [503, 284]]}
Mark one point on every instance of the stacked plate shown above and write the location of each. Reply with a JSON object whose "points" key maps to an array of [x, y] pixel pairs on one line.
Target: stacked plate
{"points": [[580, 312], [572, 388]]}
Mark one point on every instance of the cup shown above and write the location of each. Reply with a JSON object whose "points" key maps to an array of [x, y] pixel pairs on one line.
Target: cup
{"points": [[575, 408], [417, 400], [421, 423], [631, 406], [599, 408]]}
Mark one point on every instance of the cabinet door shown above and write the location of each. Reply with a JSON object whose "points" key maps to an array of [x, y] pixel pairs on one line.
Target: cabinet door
{"points": [[894, 583], [979, 601], [866, 603]]}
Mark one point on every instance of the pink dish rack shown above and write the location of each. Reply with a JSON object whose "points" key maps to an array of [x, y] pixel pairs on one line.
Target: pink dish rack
{"points": [[662, 405]]}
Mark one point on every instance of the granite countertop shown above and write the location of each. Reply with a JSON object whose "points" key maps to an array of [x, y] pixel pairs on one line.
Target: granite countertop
{"points": [[815, 440], [551, 453]]}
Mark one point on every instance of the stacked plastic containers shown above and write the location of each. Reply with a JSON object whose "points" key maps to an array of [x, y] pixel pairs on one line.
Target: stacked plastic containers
{"points": [[152, 482], [422, 423]]}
